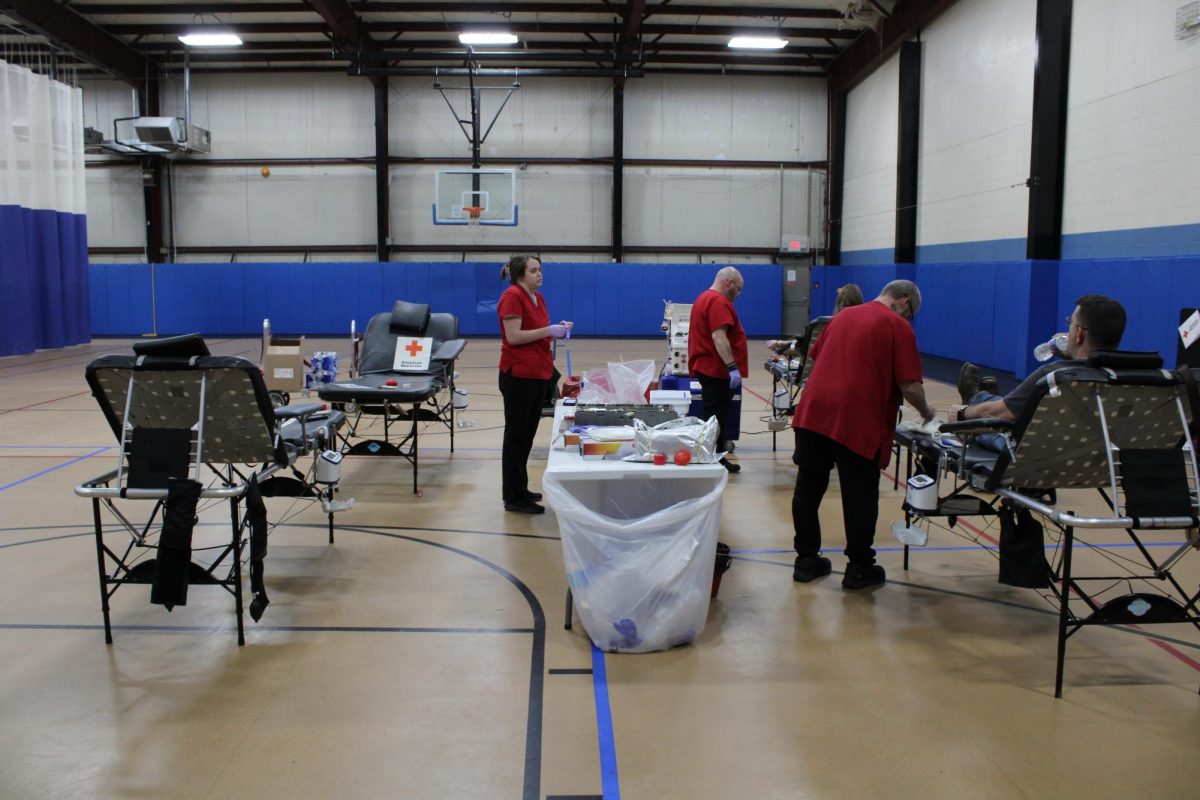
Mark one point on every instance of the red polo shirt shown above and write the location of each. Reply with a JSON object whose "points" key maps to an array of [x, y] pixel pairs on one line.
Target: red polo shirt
{"points": [[713, 310], [531, 360], [853, 393]]}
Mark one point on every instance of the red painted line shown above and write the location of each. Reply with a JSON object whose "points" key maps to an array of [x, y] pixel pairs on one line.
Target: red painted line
{"points": [[748, 390], [1186, 659], [44, 402]]}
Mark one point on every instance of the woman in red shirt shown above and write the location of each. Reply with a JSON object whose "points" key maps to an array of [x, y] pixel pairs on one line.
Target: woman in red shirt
{"points": [[526, 367]]}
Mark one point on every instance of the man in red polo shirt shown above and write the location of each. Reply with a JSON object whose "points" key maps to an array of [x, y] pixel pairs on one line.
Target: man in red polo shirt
{"points": [[717, 353], [868, 361]]}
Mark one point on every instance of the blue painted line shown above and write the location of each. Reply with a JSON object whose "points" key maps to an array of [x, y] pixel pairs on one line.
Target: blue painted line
{"points": [[604, 728], [54, 469], [919, 549]]}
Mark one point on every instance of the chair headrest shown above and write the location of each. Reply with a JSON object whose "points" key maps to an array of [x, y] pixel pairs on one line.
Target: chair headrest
{"points": [[409, 317], [1125, 359], [186, 346]]}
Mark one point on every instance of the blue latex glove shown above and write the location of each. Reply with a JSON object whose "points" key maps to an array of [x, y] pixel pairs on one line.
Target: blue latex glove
{"points": [[559, 331], [735, 380]]}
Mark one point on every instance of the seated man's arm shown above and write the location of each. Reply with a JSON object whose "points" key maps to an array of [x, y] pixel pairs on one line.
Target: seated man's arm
{"points": [[994, 409], [914, 393]]}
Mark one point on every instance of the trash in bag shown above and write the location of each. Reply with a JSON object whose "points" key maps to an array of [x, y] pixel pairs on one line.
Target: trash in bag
{"points": [[641, 573], [698, 437], [619, 382]]}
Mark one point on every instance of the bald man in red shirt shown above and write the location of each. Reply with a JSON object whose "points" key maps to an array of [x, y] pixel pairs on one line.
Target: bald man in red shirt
{"points": [[868, 361]]}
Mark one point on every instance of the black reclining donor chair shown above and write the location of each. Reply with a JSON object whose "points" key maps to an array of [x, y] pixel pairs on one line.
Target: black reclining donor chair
{"points": [[790, 369], [384, 387], [193, 427], [1120, 425]]}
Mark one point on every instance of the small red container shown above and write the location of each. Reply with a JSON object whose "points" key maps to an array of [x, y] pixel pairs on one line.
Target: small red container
{"points": [[660, 459], [570, 386]]}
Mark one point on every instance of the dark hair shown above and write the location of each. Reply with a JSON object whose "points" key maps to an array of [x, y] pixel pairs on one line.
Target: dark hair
{"points": [[514, 270], [1104, 320], [848, 295]]}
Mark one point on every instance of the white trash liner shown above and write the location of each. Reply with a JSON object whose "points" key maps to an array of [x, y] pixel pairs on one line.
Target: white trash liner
{"points": [[641, 577]]}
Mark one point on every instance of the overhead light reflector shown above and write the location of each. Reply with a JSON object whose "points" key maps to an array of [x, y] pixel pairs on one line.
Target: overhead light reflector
{"points": [[757, 43], [483, 37], [210, 39]]}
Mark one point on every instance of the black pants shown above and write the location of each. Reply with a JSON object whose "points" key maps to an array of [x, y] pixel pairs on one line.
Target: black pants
{"points": [[716, 400], [523, 398], [815, 456]]}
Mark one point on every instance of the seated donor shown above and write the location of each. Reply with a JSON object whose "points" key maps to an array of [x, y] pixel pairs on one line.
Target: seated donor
{"points": [[848, 295], [1097, 323], [866, 360]]}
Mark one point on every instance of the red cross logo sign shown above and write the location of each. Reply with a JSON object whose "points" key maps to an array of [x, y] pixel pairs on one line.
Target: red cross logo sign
{"points": [[413, 348]]}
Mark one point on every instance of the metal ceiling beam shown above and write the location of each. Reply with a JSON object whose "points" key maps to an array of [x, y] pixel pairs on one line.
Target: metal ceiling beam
{"points": [[602, 28], [416, 46], [342, 20], [365, 6], [869, 50], [91, 43]]}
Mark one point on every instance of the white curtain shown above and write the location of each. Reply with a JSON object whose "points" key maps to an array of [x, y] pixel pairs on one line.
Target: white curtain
{"points": [[43, 223]]}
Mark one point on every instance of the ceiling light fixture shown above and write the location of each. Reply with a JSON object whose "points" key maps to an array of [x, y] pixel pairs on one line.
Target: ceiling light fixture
{"points": [[487, 37], [210, 38], [757, 43]]}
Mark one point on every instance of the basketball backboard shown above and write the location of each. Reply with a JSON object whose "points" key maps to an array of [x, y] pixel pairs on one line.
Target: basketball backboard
{"points": [[493, 190]]}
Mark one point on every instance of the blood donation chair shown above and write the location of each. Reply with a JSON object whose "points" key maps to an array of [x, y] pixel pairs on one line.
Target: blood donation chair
{"points": [[788, 373], [405, 376], [1119, 425], [196, 431]]}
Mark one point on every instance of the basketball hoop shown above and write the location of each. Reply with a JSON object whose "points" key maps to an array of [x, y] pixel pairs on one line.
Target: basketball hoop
{"points": [[472, 213]]}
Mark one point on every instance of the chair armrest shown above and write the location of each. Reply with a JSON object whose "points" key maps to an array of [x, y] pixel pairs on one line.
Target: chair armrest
{"points": [[977, 426], [298, 411], [449, 350]]}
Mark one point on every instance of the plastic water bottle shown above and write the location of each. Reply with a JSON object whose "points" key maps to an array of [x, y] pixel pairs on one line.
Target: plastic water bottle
{"points": [[1055, 347]]}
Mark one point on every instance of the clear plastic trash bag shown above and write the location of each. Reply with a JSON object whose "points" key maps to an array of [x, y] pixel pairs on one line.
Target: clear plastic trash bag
{"points": [[639, 557]]}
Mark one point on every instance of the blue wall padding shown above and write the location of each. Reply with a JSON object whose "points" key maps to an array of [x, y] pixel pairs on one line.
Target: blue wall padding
{"points": [[995, 313], [43, 279], [320, 299]]}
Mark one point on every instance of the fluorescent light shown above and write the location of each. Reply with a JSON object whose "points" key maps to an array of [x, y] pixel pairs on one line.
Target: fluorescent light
{"points": [[210, 39], [757, 42], [483, 37]]}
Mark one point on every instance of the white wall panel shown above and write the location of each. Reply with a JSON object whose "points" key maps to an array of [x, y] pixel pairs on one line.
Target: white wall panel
{"points": [[295, 206], [869, 184], [976, 111], [116, 211], [1133, 128], [309, 115], [546, 117], [725, 117]]}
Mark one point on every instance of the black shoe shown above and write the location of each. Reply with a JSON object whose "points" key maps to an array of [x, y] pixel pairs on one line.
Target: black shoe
{"points": [[524, 507], [988, 383], [863, 577], [533, 497], [968, 381], [809, 569], [731, 467]]}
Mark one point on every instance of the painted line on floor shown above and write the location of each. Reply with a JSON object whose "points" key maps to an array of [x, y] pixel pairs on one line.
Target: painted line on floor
{"points": [[261, 628], [1049, 612], [988, 547], [53, 469], [571, 671], [604, 727], [44, 402]]}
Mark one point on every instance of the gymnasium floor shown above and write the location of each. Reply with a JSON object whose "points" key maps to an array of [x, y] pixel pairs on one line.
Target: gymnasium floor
{"points": [[423, 655]]}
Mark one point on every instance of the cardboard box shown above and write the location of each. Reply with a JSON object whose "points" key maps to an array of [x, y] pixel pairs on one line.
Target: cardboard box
{"points": [[284, 365]]}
